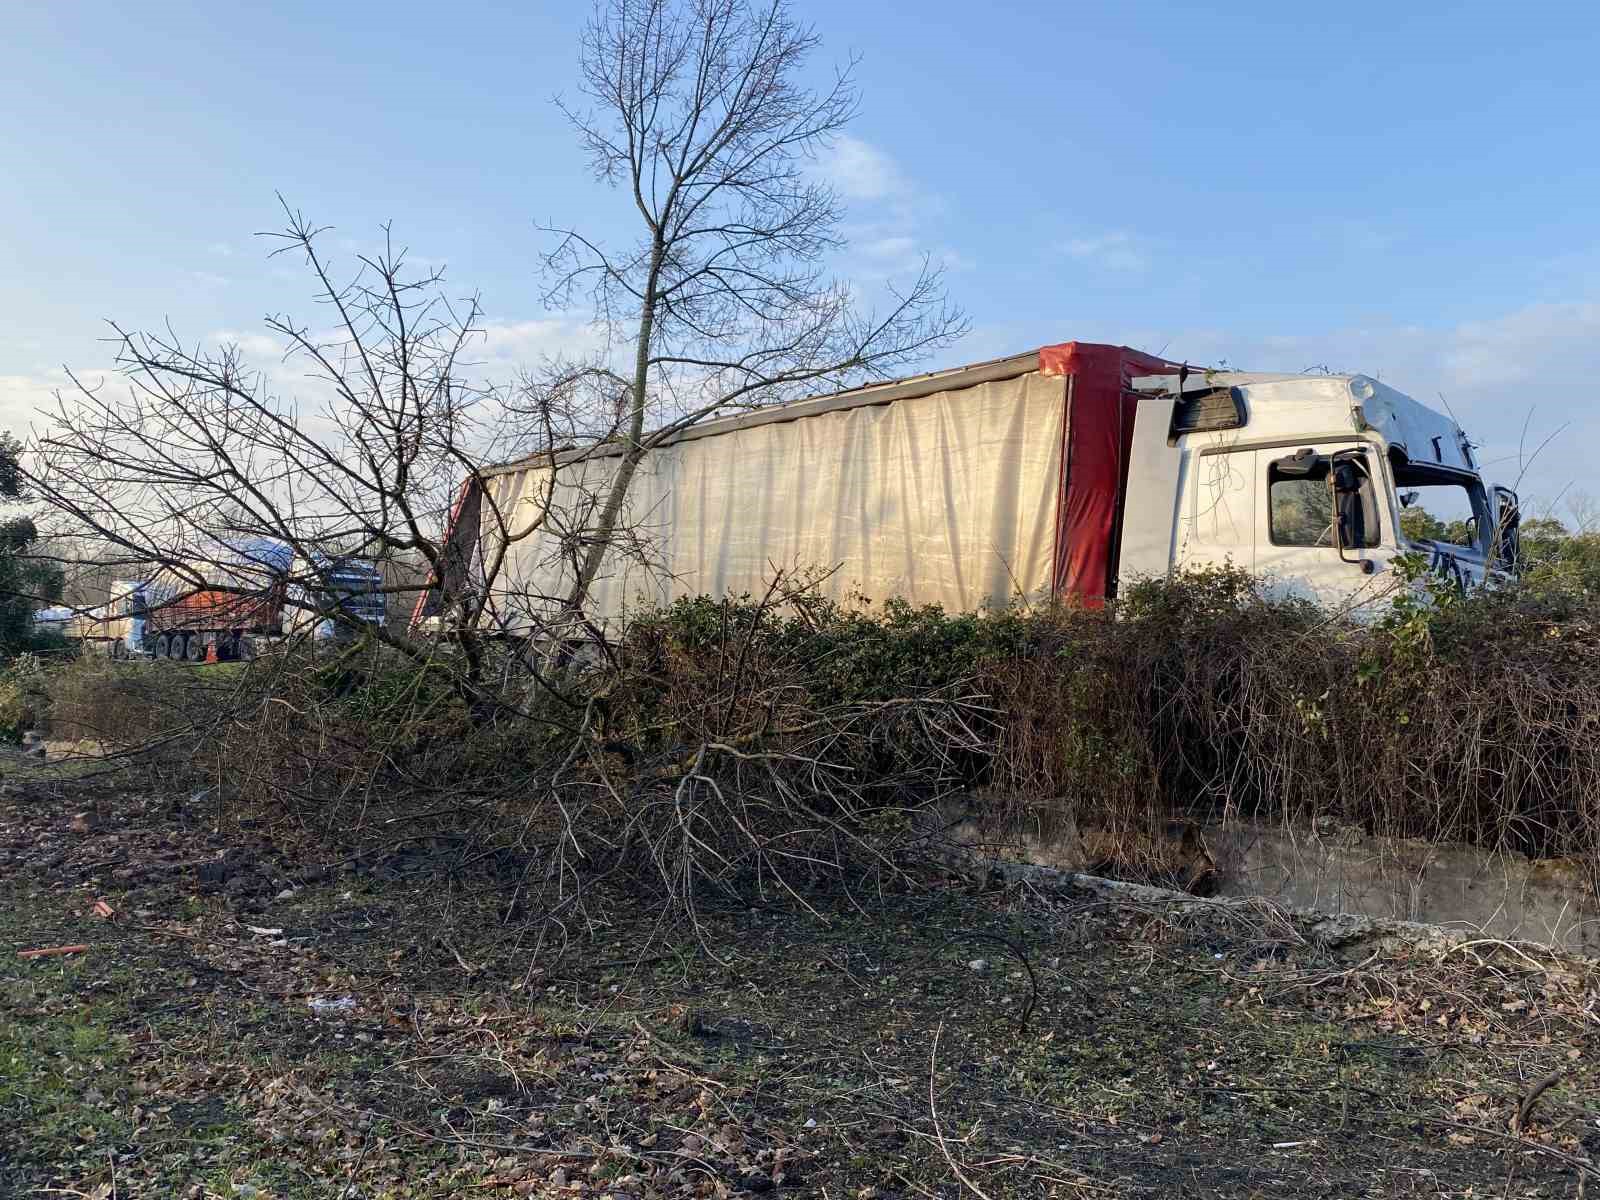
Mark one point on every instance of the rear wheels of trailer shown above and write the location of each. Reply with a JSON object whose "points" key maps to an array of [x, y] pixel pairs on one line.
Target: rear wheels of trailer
{"points": [[175, 646], [198, 646]]}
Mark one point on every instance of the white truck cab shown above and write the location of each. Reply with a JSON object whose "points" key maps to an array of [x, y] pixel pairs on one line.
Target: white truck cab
{"points": [[318, 586], [1306, 481]]}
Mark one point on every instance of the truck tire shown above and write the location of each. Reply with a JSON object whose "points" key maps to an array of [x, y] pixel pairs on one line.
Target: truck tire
{"points": [[119, 651], [195, 649], [164, 646]]}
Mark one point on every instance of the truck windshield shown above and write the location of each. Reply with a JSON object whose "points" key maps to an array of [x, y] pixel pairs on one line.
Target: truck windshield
{"points": [[1441, 506]]}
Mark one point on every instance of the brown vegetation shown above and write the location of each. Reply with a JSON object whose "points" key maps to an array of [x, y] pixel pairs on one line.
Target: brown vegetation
{"points": [[720, 747]]}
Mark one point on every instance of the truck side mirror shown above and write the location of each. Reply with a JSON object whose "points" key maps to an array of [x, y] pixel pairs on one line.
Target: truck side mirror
{"points": [[1348, 481], [1508, 529]]}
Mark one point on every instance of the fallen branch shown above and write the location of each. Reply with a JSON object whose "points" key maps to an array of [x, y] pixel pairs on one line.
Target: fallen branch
{"points": [[1532, 1098], [52, 951], [933, 1115]]}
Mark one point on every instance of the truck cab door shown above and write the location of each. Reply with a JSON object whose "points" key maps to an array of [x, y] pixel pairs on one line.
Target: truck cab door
{"points": [[1321, 534], [1219, 526]]}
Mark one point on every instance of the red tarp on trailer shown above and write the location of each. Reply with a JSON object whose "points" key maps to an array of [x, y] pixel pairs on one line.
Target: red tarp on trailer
{"points": [[1096, 438]]}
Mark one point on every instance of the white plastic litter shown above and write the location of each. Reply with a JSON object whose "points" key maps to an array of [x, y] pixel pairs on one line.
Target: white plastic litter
{"points": [[324, 1005]]}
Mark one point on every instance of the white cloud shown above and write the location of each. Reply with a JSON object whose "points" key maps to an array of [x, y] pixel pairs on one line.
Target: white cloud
{"points": [[507, 344], [1116, 251], [892, 246], [1516, 347], [27, 400], [889, 230], [254, 345], [953, 260], [858, 170], [21, 396]]}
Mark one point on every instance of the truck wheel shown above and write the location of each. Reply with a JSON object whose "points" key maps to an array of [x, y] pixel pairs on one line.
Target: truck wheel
{"points": [[164, 646], [195, 650], [119, 651]]}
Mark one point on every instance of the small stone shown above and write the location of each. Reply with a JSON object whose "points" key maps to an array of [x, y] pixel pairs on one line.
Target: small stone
{"points": [[978, 964], [85, 822]]}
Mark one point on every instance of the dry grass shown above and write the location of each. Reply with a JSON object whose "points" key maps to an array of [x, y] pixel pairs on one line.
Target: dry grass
{"points": [[1102, 1047]]}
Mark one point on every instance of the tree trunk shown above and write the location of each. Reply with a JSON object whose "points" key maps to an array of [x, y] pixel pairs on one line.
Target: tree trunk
{"points": [[605, 529]]}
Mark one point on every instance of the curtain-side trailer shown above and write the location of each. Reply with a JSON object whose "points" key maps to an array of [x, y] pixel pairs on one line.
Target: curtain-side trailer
{"points": [[1066, 472]]}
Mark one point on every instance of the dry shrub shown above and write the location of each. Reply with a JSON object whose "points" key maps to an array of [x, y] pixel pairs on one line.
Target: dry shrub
{"points": [[723, 746], [127, 705], [331, 737], [1456, 718], [17, 714]]}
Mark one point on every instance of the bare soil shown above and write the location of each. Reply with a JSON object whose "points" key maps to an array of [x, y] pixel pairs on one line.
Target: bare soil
{"points": [[254, 1020]]}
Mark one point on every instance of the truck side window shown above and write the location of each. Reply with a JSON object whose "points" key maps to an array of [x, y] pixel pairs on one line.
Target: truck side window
{"points": [[1300, 508]]}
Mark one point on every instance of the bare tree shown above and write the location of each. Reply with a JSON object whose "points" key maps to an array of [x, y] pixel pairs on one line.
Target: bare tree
{"points": [[700, 115], [196, 451]]}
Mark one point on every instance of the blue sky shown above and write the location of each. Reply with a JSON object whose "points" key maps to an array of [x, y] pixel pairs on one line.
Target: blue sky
{"points": [[1405, 190]]}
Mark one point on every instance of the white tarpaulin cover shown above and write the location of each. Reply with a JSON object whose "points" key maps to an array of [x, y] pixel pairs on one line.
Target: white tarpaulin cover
{"points": [[947, 498]]}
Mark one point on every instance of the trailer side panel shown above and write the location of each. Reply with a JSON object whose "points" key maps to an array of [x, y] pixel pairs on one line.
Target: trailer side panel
{"points": [[945, 498]]}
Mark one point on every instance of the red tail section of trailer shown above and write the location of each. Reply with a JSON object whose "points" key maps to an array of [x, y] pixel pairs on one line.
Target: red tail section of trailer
{"points": [[458, 549], [1097, 436]]}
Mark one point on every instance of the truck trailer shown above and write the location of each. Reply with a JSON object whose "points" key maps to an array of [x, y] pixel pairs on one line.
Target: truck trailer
{"points": [[239, 607], [1066, 472]]}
